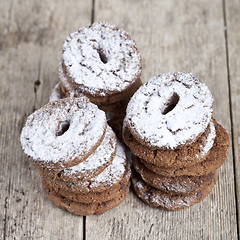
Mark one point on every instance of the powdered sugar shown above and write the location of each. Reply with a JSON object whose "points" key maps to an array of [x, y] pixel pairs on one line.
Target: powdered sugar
{"points": [[70, 89], [63, 131], [209, 141], [170, 110], [114, 172], [101, 59], [56, 93], [101, 157]]}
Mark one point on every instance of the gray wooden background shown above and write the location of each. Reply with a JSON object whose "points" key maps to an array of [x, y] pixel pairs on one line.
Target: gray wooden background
{"points": [[200, 36]]}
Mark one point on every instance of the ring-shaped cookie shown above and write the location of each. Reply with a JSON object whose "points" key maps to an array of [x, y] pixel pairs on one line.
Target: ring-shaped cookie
{"points": [[63, 133], [170, 110]]}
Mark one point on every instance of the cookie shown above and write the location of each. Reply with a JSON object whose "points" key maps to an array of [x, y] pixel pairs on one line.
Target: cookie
{"points": [[85, 209], [115, 112], [178, 158], [171, 110], [90, 197], [102, 62], [63, 133], [92, 166], [215, 159], [172, 185], [156, 198], [112, 177]]}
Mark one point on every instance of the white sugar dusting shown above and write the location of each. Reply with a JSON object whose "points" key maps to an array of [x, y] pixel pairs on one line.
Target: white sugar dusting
{"points": [[169, 110], [56, 93], [101, 156], [209, 141], [114, 172], [72, 92], [63, 130], [101, 59]]}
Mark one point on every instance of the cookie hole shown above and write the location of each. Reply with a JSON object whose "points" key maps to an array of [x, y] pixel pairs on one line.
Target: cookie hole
{"points": [[62, 128], [171, 103], [102, 56]]}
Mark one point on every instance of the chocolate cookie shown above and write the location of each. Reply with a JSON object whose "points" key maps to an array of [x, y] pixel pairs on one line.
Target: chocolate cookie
{"points": [[186, 156], [115, 112], [92, 166], [102, 62], [63, 133], [85, 209], [169, 111], [173, 185], [216, 157], [157, 198], [112, 177], [91, 197]]}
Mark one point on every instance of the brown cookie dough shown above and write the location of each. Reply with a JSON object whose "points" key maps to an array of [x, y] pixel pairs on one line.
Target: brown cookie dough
{"points": [[91, 197], [96, 163], [115, 114], [215, 159], [156, 198], [173, 185], [186, 156], [85, 209], [112, 177]]}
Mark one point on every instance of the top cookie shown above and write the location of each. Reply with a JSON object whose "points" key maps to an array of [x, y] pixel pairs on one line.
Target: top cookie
{"points": [[170, 110], [63, 133], [101, 59]]}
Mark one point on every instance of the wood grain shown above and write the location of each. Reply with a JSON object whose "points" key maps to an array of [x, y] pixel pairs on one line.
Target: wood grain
{"points": [[31, 42], [232, 17], [172, 36], [175, 36]]}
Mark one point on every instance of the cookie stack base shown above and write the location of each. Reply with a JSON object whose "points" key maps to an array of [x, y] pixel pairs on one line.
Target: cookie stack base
{"points": [[157, 198], [85, 209]]}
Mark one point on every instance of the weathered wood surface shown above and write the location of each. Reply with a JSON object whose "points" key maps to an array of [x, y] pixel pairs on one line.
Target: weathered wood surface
{"points": [[232, 19], [31, 37], [172, 36], [176, 36]]}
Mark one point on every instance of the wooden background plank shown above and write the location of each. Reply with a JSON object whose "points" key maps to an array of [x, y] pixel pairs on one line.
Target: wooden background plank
{"points": [[175, 36], [30, 47], [172, 36], [233, 46]]}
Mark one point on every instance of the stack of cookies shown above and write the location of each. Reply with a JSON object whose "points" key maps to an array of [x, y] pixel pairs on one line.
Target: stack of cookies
{"points": [[82, 165], [103, 63], [177, 146]]}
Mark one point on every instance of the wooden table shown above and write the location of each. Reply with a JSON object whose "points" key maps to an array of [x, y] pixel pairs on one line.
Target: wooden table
{"points": [[199, 36]]}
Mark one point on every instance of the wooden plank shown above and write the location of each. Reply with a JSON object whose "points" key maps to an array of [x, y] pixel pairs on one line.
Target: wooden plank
{"points": [[175, 36], [233, 47], [4, 16], [29, 57]]}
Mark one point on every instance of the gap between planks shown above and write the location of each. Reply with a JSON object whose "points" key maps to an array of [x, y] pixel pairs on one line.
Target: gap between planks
{"points": [[231, 113]]}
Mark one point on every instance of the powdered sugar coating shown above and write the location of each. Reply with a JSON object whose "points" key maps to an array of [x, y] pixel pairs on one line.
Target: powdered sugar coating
{"points": [[69, 87], [114, 172], [63, 132], [56, 93], [101, 59], [152, 121], [209, 141], [102, 156]]}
